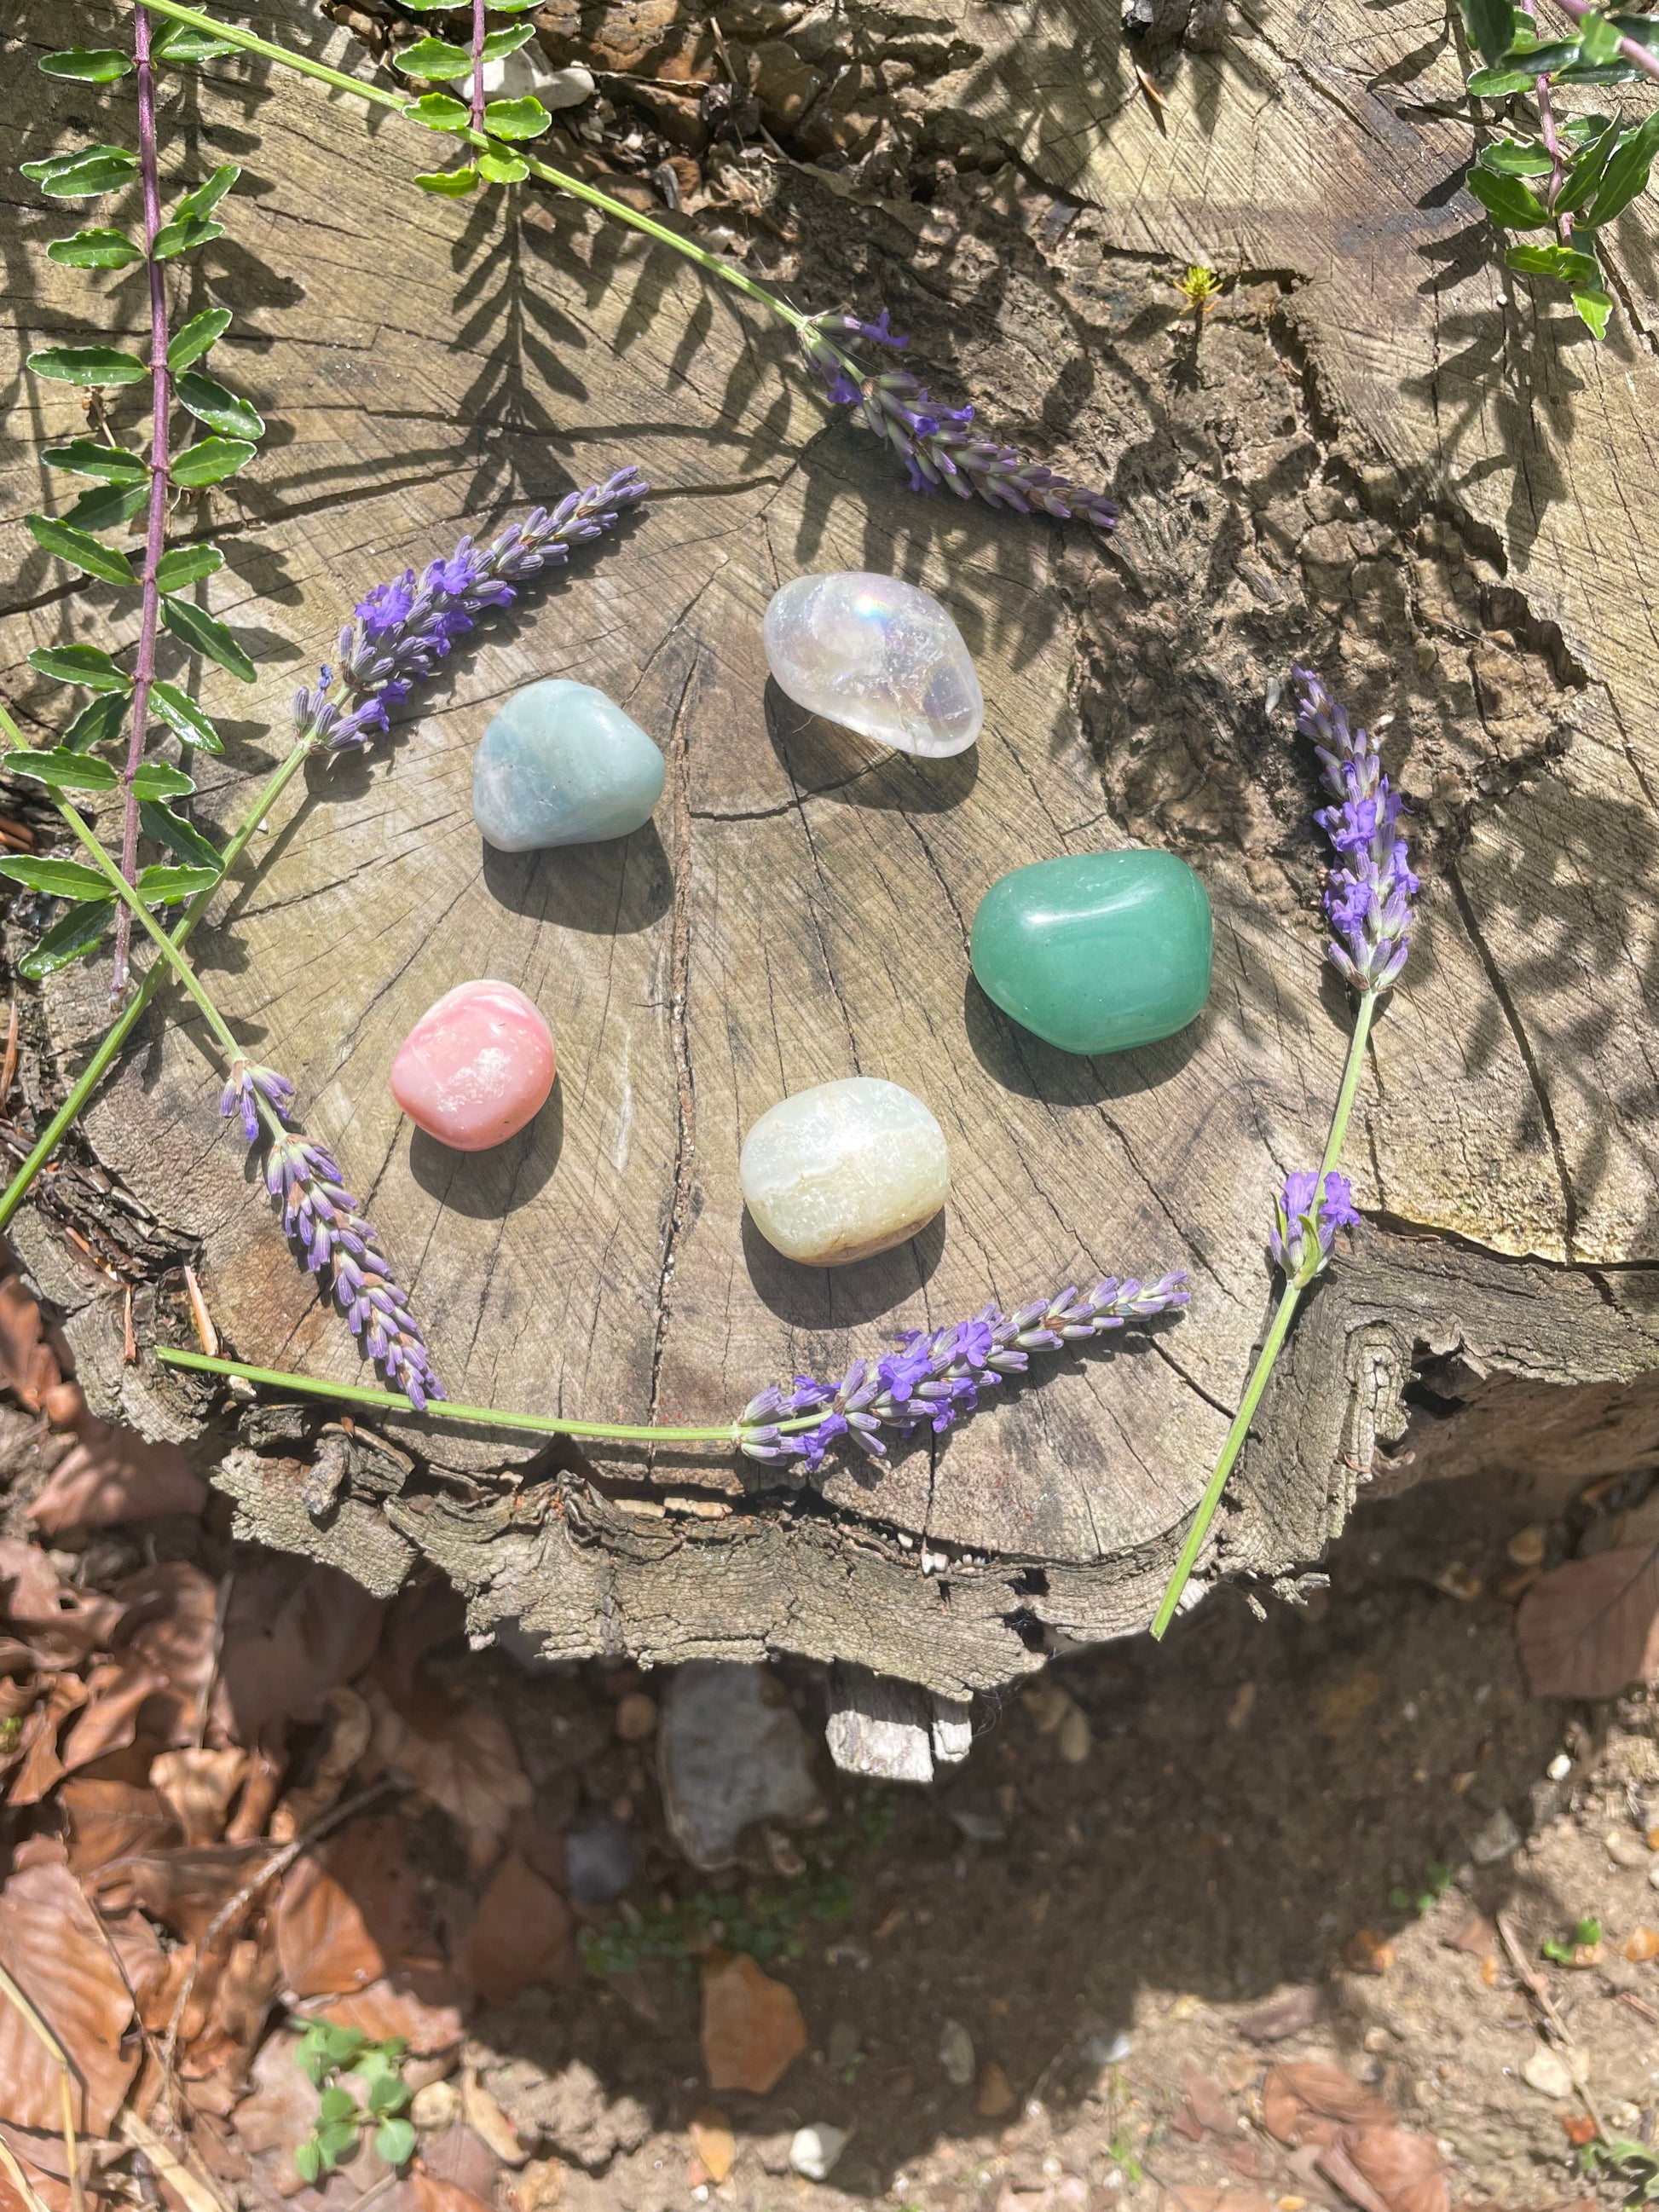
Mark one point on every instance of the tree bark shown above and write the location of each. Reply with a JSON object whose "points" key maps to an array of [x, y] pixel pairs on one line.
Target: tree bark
{"points": [[1377, 454]]}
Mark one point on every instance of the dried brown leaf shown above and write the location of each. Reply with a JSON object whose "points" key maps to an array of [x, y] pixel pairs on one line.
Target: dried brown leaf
{"points": [[460, 2159], [433, 2194], [522, 1938], [1282, 2015], [112, 1820], [354, 1912], [460, 1756], [1403, 2169], [113, 1476], [196, 1788], [352, 1724], [383, 2010], [1591, 1627], [752, 2030], [41, 1766], [183, 1888], [117, 1693], [51, 1946], [293, 1631]]}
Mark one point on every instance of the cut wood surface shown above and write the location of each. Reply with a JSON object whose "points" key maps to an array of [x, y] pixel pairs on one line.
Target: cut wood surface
{"points": [[1377, 455]]}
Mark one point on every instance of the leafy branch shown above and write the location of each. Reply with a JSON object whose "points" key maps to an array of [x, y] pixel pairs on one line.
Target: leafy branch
{"points": [[1572, 175]]}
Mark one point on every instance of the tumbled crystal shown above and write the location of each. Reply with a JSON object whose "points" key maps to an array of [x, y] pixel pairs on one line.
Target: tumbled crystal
{"points": [[476, 1068], [1096, 951], [561, 764], [844, 1171], [879, 656]]}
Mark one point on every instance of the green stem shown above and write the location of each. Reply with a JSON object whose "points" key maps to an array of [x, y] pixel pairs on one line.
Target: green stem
{"points": [[441, 1410], [1290, 1299], [377, 96], [98, 1066]]}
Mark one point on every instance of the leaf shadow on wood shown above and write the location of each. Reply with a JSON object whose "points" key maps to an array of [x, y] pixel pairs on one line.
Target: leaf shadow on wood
{"points": [[841, 1297], [823, 759], [490, 1186], [610, 889]]}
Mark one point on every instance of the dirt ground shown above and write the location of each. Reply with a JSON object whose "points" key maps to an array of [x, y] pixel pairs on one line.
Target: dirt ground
{"points": [[1106, 1931]]}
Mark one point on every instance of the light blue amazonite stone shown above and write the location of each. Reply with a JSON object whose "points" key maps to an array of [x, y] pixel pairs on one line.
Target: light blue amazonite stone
{"points": [[561, 764]]}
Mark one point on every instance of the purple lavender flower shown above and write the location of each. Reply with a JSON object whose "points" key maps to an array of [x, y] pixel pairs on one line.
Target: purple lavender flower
{"points": [[405, 628], [249, 1083], [1305, 1222], [933, 441], [1369, 893], [935, 1378]]}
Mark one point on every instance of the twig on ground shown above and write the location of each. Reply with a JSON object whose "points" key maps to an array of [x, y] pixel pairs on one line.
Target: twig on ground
{"points": [[1538, 1989], [49, 2042], [195, 2194], [206, 1336], [221, 1612], [18, 2180]]}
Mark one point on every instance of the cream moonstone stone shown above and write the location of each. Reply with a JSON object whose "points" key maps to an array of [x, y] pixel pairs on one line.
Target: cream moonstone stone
{"points": [[844, 1171]]}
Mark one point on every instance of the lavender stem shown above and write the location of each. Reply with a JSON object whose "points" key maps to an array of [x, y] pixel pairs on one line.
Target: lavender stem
{"points": [[143, 674], [478, 64]]}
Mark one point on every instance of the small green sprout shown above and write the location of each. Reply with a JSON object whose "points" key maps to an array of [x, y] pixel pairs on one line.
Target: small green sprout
{"points": [[1438, 1878], [326, 2051], [1201, 288], [1621, 2158], [1585, 1934]]}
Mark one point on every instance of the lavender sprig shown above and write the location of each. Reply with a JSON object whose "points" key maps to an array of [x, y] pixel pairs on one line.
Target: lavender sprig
{"points": [[403, 629], [1369, 895], [934, 441], [1368, 903], [933, 1378]]}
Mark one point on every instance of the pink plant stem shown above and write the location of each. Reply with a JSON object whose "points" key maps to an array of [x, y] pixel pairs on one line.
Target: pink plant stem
{"points": [[143, 674], [1552, 142], [1630, 49], [478, 64]]}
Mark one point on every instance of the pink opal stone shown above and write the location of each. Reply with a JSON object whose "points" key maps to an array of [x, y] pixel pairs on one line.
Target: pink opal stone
{"points": [[476, 1068]]}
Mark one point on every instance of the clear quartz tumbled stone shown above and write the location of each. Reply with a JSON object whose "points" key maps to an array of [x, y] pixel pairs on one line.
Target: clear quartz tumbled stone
{"points": [[879, 656]]}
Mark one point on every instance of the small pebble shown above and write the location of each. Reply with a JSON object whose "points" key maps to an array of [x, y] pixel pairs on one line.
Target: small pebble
{"points": [[436, 2106], [477, 1067], [1526, 1547], [993, 2093], [879, 656], [956, 2054], [600, 1858], [844, 1171], [1074, 1737], [636, 1716], [1559, 1768], [1625, 1850], [815, 2149]]}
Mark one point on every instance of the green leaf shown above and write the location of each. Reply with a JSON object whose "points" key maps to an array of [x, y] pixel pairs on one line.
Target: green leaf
{"points": [[106, 507], [1491, 26], [1594, 306], [1626, 172], [1564, 262], [1509, 201], [210, 461], [341, 2043], [502, 168], [86, 175], [307, 2158], [395, 2141], [1497, 83], [204, 635], [183, 717], [217, 406], [81, 549], [433, 58], [517, 119], [98, 721], [1586, 170], [338, 2105], [336, 2140], [1514, 157], [1599, 73], [201, 331], [93, 249], [181, 838], [172, 884], [388, 2092], [63, 769], [186, 563], [438, 110], [90, 456], [56, 878], [179, 43], [159, 779], [80, 664], [452, 183], [80, 932], [185, 236], [1545, 56], [88, 65], [1598, 39], [202, 198], [88, 365], [500, 43]]}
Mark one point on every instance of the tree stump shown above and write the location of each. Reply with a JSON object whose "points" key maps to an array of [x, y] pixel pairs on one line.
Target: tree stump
{"points": [[1376, 454]]}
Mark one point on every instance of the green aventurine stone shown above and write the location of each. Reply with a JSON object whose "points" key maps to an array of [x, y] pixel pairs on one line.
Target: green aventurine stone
{"points": [[1096, 951]]}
